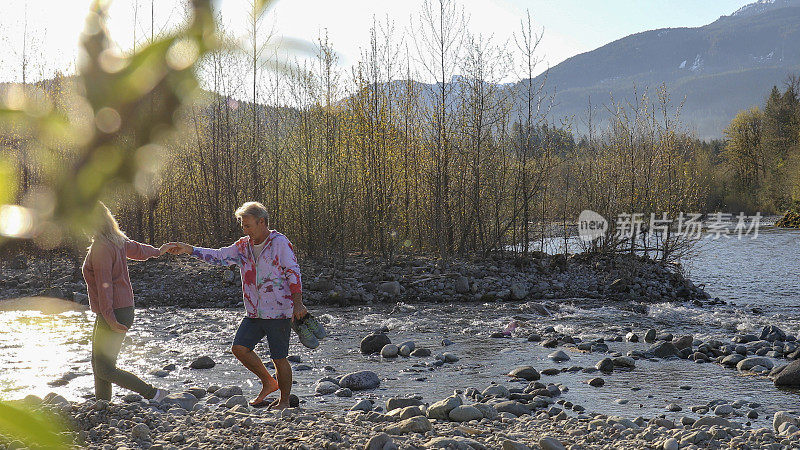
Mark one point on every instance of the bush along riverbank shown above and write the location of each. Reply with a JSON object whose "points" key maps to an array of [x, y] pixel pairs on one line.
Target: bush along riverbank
{"points": [[186, 282]]}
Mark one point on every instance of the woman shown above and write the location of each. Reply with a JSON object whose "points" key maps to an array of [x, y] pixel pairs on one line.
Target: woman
{"points": [[111, 298]]}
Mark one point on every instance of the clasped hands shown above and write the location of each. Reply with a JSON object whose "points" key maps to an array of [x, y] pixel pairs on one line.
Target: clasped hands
{"points": [[176, 248]]}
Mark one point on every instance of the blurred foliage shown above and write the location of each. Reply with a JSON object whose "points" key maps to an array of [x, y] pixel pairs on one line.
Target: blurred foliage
{"points": [[119, 113], [34, 429]]}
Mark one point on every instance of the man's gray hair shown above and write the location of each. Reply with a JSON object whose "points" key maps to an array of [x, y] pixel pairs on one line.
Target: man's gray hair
{"points": [[254, 209]]}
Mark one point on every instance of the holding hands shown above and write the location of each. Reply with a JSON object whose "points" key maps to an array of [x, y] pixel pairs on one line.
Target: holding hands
{"points": [[176, 248]]}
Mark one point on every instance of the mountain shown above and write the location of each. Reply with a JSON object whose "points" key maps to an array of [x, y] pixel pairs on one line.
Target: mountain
{"points": [[720, 68]]}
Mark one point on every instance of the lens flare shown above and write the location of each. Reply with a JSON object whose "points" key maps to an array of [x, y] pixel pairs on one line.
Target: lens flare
{"points": [[15, 221]]}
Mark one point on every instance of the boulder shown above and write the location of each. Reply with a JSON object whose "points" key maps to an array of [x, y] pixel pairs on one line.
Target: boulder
{"points": [[441, 409], [683, 342], [359, 381], [665, 350], [462, 285], [228, 391], [753, 361], [518, 291], [416, 424], [512, 406], [605, 365], [374, 343], [550, 443], [325, 388], [390, 287], [558, 356], [464, 413], [496, 390], [789, 376], [203, 362], [390, 351], [378, 442], [782, 417], [184, 400], [525, 372]]}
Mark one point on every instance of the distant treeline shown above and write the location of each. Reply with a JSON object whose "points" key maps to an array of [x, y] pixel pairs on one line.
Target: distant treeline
{"points": [[762, 154], [373, 161]]}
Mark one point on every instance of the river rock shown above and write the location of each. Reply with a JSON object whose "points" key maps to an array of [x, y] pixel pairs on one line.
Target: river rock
{"points": [[390, 287], [550, 443], [596, 382], [488, 411], [671, 444], [512, 406], [236, 400], [650, 336], [508, 444], [789, 376], [665, 350], [454, 443], [605, 365], [140, 431], [624, 361], [378, 442], [416, 424], [558, 356], [732, 360], [782, 417], [526, 373], [441, 409], [496, 390], [390, 351], [374, 343], [723, 410], [397, 402], [359, 381], [683, 342], [462, 285], [228, 391], [326, 387], [343, 392], [362, 405], [632, 337], [421, 353], [749, 363], [184, 400], [710, 421], [465, 413], [203, 362]]}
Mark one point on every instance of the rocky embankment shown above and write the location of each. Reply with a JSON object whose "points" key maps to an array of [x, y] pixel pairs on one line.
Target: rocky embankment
{"points": [[186, 282]]}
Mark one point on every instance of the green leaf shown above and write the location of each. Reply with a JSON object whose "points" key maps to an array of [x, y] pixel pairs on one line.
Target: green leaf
{"points": [[34, 429], [8, 181]]}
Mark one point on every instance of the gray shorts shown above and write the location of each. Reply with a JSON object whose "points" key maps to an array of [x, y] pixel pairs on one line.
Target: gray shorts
{"points": [[277, 331]]}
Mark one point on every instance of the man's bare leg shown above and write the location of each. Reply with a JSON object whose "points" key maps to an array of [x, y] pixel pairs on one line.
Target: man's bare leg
{"points": [[254, 364], [284, 373]]}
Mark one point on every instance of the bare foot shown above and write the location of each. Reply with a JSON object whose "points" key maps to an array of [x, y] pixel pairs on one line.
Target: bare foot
{"points": [[278, 405], [267, 388]]}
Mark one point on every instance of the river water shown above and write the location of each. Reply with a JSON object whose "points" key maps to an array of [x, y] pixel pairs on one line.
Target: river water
{"points": [[760, 280]]}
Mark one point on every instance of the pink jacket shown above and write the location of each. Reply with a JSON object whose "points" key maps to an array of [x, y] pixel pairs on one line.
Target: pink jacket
{"points": [[106, 273], [267, 284]]}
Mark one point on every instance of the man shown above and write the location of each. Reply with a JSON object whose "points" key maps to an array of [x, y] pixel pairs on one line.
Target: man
{"points": [[272, 293]]}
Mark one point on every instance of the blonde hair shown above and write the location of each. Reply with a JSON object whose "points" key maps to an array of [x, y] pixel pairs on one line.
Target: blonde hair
{"points": [[254, 209], [107, 227]]}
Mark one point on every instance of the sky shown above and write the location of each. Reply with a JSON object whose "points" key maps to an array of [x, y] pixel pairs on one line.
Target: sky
{"points": [[570, 27]]}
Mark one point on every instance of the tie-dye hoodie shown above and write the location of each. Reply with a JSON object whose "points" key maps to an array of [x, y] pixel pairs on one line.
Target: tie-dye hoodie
{"points": [[267, 284]]}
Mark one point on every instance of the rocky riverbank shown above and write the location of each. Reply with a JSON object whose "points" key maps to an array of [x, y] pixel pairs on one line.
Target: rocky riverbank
{"points": [[496, 417], [186, 282]]}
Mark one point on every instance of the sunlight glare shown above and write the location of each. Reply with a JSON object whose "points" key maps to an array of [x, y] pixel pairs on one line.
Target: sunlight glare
{"points": [[15, 221]]}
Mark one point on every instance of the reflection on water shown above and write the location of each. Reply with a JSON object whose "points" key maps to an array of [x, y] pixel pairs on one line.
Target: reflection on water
{"points": [[37, 348]]}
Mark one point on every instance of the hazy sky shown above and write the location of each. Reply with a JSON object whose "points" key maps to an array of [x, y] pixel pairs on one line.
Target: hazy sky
{"points": [[570, 26]]}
